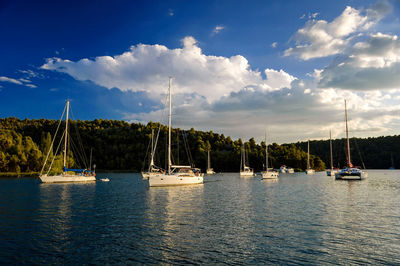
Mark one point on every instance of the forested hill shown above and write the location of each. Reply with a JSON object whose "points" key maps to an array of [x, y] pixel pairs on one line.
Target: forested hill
{"points": [[118, 145], [375, 153]]}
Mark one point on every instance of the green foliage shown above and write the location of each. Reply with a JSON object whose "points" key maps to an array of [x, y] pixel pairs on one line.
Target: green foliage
{"points": [[118, 145]]}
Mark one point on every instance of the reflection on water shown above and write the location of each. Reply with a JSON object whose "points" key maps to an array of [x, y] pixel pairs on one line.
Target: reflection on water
{"points": [[297, 219]]}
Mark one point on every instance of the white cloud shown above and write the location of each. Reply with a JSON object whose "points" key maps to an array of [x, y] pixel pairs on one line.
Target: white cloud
{"points": [[225, 95], [319, 38], [218, 29], [147, 68], [21, 81], [274, 44], [370, 65], [10, 80], [31, 85], [171, 12], [289, 114]]}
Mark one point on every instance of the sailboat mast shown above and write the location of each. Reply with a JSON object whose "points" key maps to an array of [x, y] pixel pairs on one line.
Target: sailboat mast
{"points": [[152, 149], [169, 126], [208, 162], [330, 145], [308, 155], [90, 161], [266, 151], [347, 136], [66, 135]]}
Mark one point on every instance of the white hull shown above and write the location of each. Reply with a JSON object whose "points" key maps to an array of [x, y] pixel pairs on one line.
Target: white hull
{"points": [[269, 175], [162, 180], [310, 171], [210, 172], [66, 178], [246, 174], [290, 171]]}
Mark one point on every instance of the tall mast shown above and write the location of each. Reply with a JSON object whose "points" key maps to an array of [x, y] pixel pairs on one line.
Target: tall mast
{"points": [[330, 144], [266, 151], [90, 161], [152, 149], [241, 157], [308, 155], [347, 136], [169, 126], [66, 136], [208, 162]]}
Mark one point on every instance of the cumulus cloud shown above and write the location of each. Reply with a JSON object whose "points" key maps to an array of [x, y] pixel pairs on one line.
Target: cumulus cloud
{"points": [[274, 44], [319, 38], [370, 65], [289, 114], [225, 95], [146, 68]]}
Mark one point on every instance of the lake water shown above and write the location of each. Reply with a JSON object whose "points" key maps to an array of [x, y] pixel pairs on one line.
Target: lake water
{"points": [[228, 220]]}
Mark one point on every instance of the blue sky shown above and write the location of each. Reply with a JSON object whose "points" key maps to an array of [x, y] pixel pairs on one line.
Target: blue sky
{"points": [[238, 66]]}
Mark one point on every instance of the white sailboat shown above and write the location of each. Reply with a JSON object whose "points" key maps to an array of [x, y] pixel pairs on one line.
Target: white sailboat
{"points": [[153, 169], [245, 171], [210, 171], [268, 173], [350, 172], [309, 171], [68, 175], [332, 171], [175, 175]]}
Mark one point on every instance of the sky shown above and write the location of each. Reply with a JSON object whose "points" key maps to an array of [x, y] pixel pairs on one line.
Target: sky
{"points": [[238, 67]]}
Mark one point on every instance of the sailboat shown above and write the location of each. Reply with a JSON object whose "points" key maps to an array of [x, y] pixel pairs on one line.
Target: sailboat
{"points": [[153, 169], [332, 171], [68, 175], [309, 171], [268, 173], [350, 172], [175, 175], [245, 171], [210, 171]]}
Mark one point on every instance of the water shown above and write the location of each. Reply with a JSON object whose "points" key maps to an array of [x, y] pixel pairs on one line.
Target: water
{"points": [[297, 220]]}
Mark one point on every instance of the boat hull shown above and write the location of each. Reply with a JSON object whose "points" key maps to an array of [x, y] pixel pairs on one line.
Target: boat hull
{"points": [[351, 175], [174, 180], [66, 178], [290, 171], [210, 172], [246, 174], [269, 175], [310, 171]]}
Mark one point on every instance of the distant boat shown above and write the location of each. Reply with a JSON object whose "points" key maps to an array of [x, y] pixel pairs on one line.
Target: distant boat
{"points": [[309, 171], [283, 169], [350, 172], [153, 169], [67, 175], [332, 171], [290, 170], [268, 174], [175, 175], [245, 171], [210, 171]]}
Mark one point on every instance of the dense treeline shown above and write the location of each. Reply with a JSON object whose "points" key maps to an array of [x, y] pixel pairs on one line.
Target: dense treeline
{"points": [[374, 153], [118, 145]]}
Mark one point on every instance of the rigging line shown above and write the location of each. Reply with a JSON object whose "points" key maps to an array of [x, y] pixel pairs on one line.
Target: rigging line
{"points": [[359, 153], [78, 153], [51, 146], [80, 142], [158, 132], [55, 153]]}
